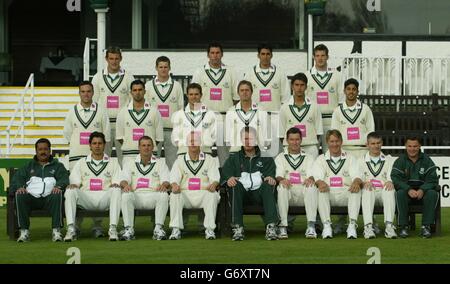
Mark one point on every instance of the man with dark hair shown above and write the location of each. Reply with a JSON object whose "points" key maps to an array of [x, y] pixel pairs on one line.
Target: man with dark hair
{"points": [[324, 88], [111, 91], [83, 119], [415, 180], [40, 184], [378, 188], [139, 118], [303, 113], [219, 84], [167, 95], [296, 184], [270, 83], [251, 177], [354, 119], [94, 185]]}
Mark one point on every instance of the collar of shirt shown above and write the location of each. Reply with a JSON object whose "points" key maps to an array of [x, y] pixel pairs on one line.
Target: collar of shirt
{"points": [[201, 157], [146, 106], [368, 158], [163, 84], [197, 112], [292, 101], [357, 105], [271, 69], [286, 151], [89, 158], [328, 156], [238, 106], [215, 70], [80, 108], [120, 73], [138, 159]]}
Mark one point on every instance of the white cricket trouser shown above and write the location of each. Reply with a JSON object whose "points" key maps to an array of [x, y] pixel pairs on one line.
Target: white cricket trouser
{"points": [[339, 197], [194, 199], [300, 196], [102, 200], [144, 200], [357, 152], [383, 197]]}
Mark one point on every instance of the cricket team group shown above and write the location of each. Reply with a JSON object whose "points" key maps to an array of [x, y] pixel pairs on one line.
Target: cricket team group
{"points": [[308, 141]]}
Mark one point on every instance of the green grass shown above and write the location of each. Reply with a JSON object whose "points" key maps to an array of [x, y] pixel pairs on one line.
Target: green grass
{"points": [[192, 248]]}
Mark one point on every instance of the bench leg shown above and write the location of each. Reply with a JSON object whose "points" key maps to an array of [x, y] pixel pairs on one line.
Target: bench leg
{"points": [[412, 221], [12, 228]]}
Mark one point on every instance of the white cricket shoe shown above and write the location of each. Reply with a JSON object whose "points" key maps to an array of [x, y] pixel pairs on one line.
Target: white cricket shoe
{"points": [[327, 232], [159, 234], [351, 231], [71, 234], [238, 233], [176, 234], [311, 232], [283, 234], [112, 233], [210, 235], [127, 234], [56, 235], [369, 232], [389, 231], [24, 236]]}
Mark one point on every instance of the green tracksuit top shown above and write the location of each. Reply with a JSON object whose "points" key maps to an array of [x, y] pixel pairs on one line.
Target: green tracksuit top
{"points": [[421, 174], [238, 163], [53, 169]]}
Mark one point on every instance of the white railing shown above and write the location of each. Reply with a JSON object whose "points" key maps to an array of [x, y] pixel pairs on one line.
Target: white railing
{"points": [[87, 59], [24, 109], [398, 75]]}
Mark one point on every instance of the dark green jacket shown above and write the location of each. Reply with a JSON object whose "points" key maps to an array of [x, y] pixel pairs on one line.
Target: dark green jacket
{"points": [[422, 174], [238, 163], [53, 169]]}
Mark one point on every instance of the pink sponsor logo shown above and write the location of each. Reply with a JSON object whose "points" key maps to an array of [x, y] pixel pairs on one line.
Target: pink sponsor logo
{"points": [[215, 94], [194, 184], [265, 95], [353, 133], [142, 183], [164, 110], [112, 101], [322, 98], [138, 133], [95, 184], [302, 129], [336, 182], [84, 138], [376, 183], [295, 178]]}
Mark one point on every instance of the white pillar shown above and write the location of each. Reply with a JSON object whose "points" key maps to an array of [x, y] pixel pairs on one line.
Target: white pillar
{"points": [[301, 24], [136, 25], [310, 41], [153, 22], [101, 36]]}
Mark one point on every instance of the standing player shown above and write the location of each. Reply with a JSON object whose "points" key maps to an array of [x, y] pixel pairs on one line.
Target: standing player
{"points": [[337, 178], [145, 182], [270, 84], [304, 114], [219, 85], [139, 118], [94, 185], [324, 88], [167, 95], [194, 177], [354, 119], [83, 119], [197, 118], [245, 114], [296, 185], [378, 187], [111, 91]]}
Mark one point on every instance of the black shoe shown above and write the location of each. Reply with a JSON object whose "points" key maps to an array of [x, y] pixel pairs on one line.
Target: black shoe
{"points": [[426, 232], [404, 232]]}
